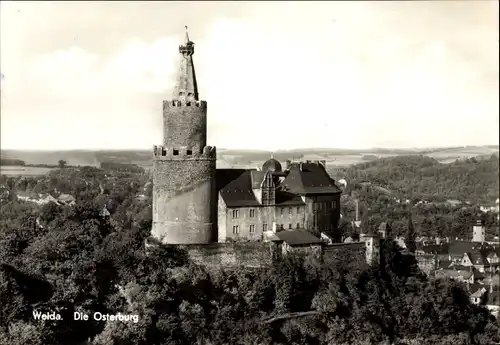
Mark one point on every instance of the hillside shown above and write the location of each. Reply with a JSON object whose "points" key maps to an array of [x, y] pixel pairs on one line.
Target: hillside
{"points": [[247, 158], [474, 180]]}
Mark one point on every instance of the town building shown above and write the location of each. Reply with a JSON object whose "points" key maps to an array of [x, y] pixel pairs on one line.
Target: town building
{"points": [[474, 263]]}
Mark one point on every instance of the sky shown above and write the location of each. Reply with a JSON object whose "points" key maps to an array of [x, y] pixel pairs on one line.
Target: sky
{"points": [[283, 75]]}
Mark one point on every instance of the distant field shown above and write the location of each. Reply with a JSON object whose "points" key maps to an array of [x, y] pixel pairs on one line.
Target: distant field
{"points": [[229, 158], [13, 170]]}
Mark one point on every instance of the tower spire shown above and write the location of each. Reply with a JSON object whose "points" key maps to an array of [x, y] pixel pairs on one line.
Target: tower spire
{"points": [[186, 41], [186, 87]]}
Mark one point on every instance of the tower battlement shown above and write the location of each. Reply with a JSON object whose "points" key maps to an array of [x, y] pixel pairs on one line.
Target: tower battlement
{"points": [[161, 152], [177, 104]]}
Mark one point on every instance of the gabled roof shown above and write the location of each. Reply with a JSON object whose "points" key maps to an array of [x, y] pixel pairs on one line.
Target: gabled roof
{"points": [[236, 189], [492, 254], [309, 178], [476, 290], [297, 237], [477, 257], [460, 247]]}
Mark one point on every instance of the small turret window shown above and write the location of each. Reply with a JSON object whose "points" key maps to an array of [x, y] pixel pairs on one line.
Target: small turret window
{"points": [[176, 152], [190, 94], [189, 152]]}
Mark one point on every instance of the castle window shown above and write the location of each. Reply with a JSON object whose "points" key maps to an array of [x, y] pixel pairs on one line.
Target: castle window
{"points": [[189, 152], [176, 152], [290, 226], [289, 210], [190, 94], [188, 103], [252, 228], [282, 227], [236, 229], [264, 227], [298, 225], [252, 213], [236, 213], [282, 210]]}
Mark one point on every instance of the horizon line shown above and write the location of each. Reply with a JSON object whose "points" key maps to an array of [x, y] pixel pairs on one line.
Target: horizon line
{"points": [[263, 149]]}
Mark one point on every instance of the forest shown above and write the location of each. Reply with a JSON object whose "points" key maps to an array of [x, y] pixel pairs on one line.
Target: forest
{"points": [[66, 259], [474, 180], [384, 186]]}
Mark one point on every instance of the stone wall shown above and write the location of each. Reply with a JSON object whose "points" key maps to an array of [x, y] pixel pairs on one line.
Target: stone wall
{"points": [[183, 198], [345, 253], [251, 254], [262, 254], [185, 124], [323, 213]]}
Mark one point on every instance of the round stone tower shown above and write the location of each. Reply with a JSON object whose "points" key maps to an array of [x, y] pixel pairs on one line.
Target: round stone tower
{"points": [[184, 209]]}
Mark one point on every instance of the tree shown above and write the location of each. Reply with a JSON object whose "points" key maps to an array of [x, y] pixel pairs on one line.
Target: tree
{"points": [[62, 164], [410, 239]]}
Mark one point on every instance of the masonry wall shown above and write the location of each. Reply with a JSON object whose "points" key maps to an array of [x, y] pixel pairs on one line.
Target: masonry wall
{"points": [[290, 217], [221, 220], [184, 197], [185, 124], [345, 254], [222, 255], [243, 219], [323, 213]]}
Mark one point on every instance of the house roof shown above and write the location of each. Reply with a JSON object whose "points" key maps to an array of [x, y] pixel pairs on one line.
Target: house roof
{"points": [[66, 197], [452, 248], [477, 257], [444, 264], [309, 178], [477, 294], [297, 237], [236, 189]]}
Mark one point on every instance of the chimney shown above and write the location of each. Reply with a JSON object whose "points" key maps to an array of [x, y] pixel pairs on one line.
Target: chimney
{"points": [[308, 161], [300, 166], [316, 162]]}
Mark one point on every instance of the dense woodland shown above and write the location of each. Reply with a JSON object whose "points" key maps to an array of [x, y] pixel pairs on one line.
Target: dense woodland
{"points": [[380, 184], [474, 180], [71, 258]]}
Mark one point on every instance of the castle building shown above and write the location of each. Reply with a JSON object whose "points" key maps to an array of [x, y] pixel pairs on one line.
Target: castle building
{"points": [[195, 203]]}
